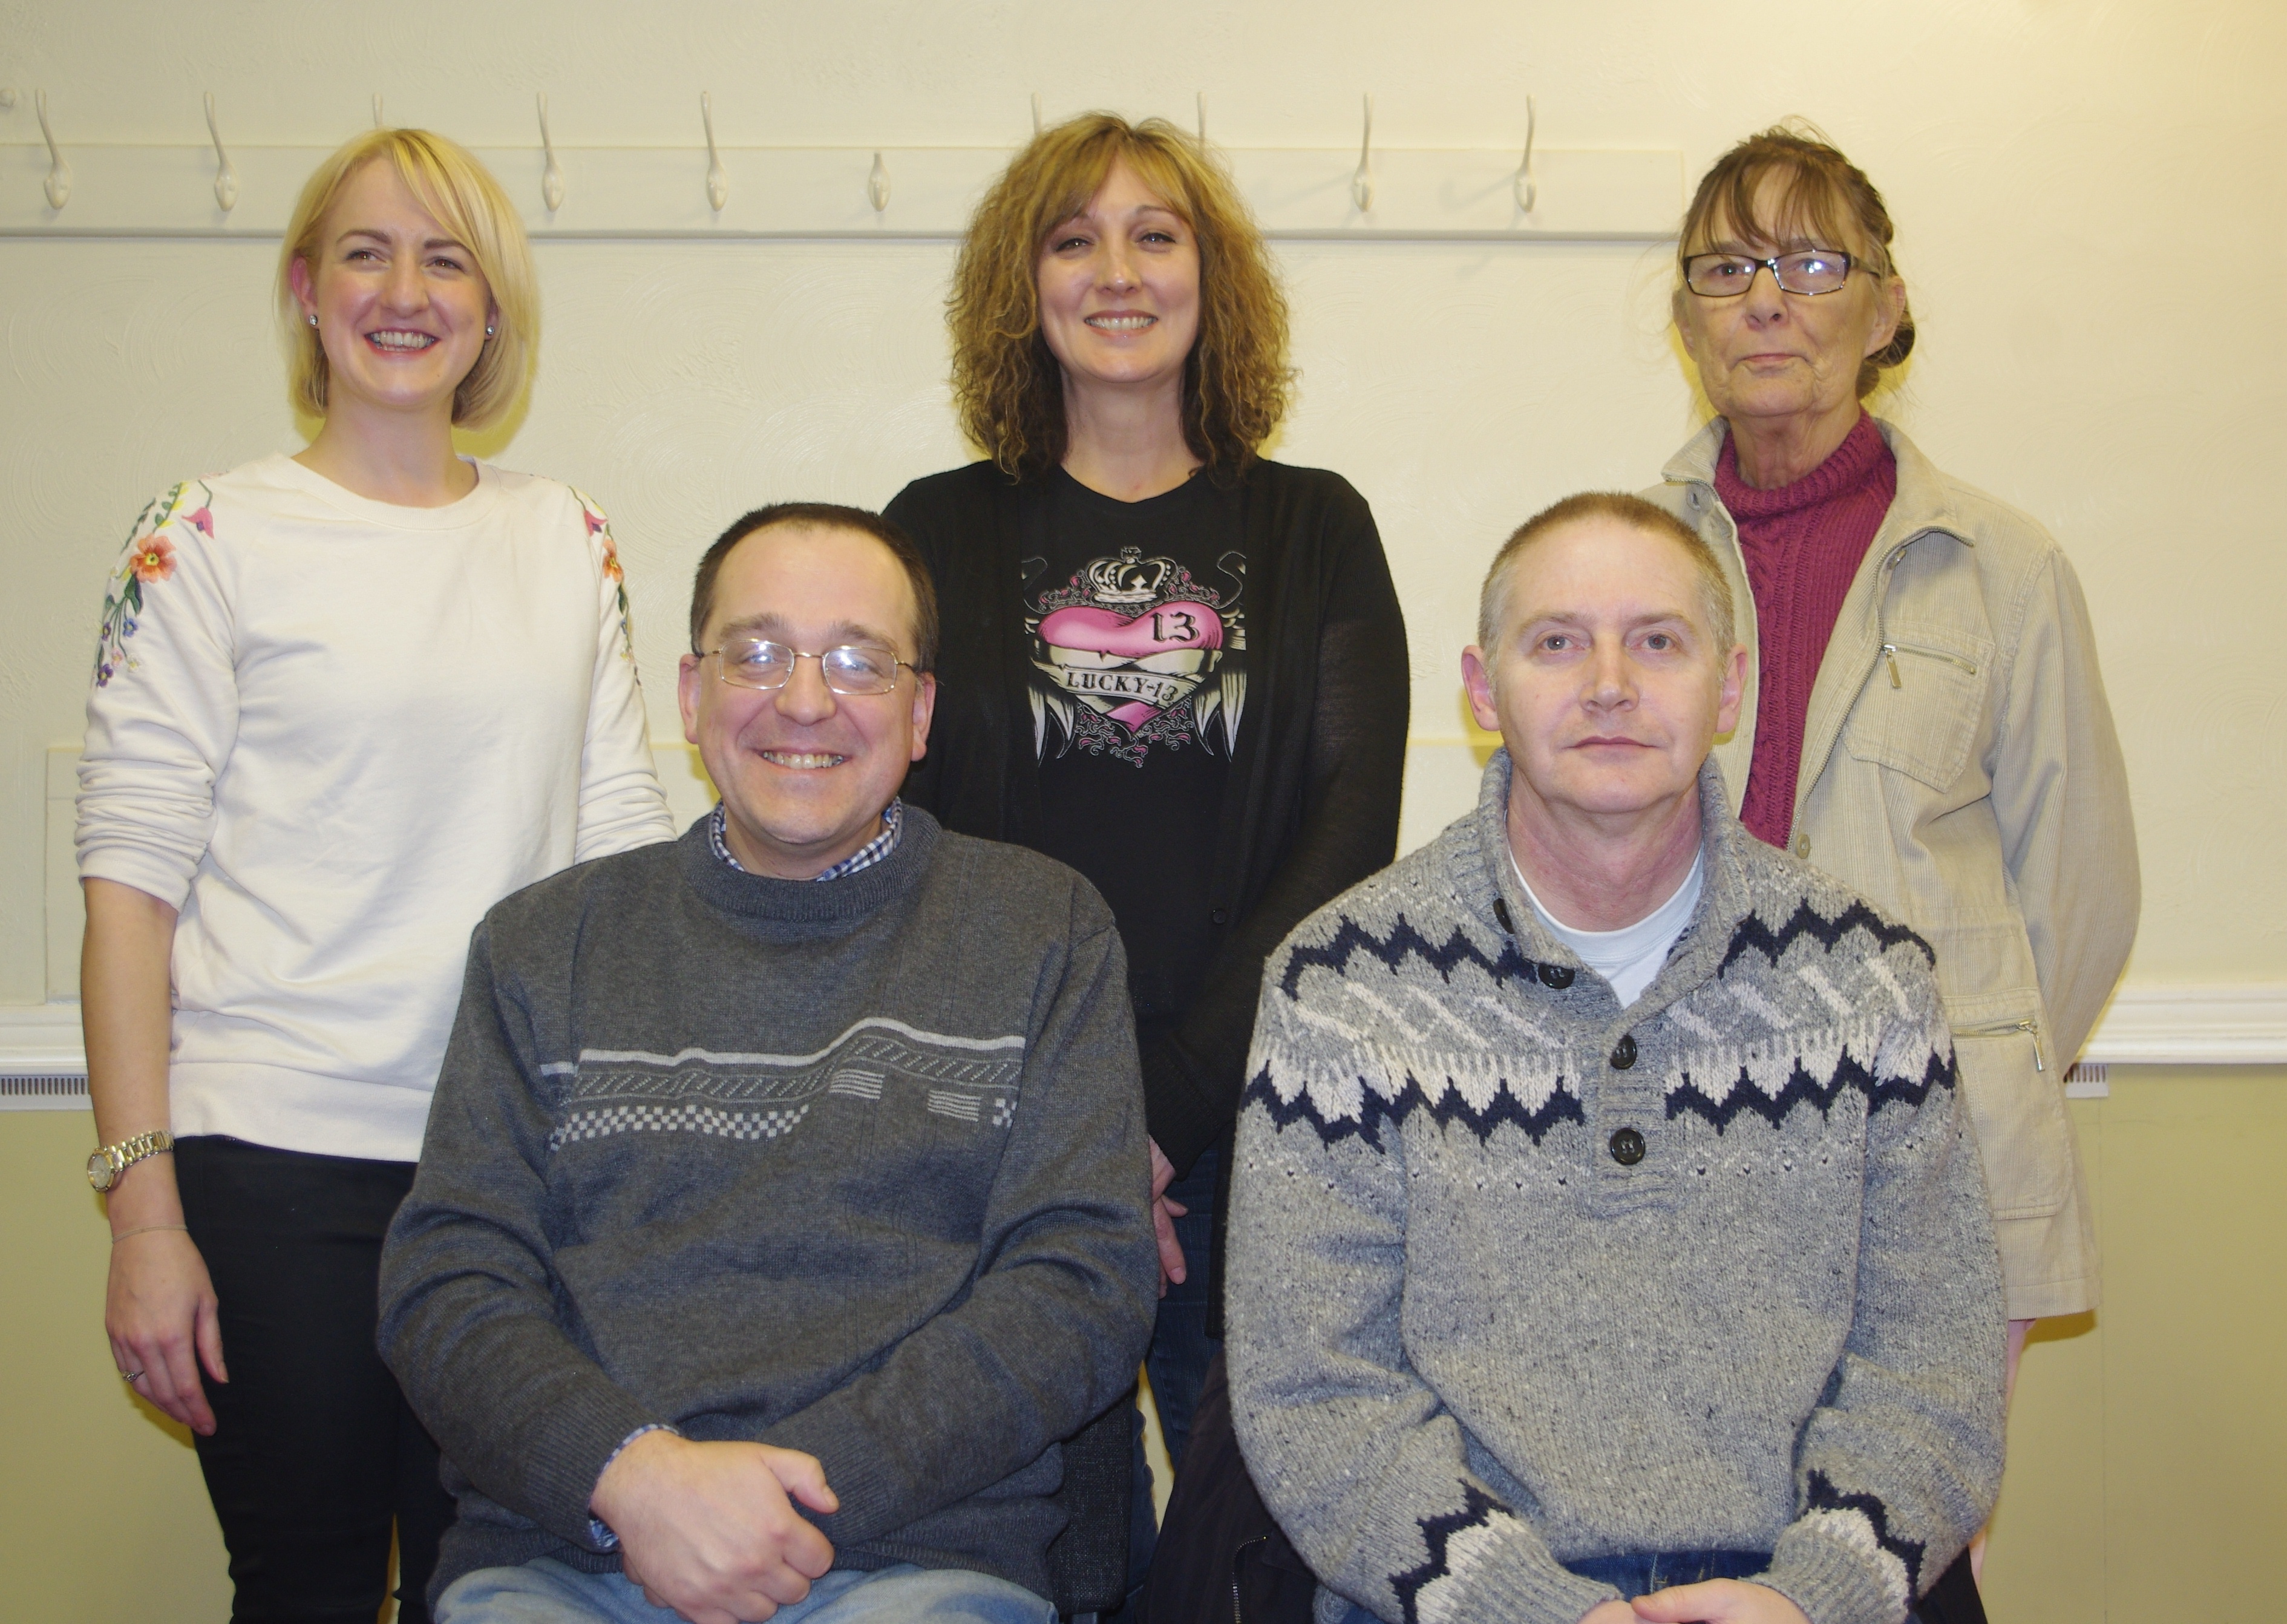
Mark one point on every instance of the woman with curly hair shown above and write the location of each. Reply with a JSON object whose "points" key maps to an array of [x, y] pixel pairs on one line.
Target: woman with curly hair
{"points": [[343, 701], [1169, 662]]}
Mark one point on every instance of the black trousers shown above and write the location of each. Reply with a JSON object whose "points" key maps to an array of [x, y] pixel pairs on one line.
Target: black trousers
{"points": [[315, 1453]]}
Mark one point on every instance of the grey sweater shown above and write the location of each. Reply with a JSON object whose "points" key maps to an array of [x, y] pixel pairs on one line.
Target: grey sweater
{"points": [[1519, 1276], [857, 1168]]}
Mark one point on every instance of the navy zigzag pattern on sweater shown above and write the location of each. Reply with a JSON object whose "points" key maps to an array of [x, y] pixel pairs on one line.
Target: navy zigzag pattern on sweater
{"points": [[1478, 1509], [1374, 1111], [1804, 1089], [1403, 942], [1754, 936], [1825, 1496]]}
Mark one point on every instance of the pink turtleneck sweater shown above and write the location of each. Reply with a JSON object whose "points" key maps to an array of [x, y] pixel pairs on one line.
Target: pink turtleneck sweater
{"points": [[1802, 543]]}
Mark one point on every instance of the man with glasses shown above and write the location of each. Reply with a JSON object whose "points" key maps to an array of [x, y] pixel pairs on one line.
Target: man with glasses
{"points": [[785, 1196]]}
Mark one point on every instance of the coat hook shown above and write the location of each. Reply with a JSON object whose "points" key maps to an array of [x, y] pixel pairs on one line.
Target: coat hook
{"points": [[1036, 112], [225, 174], [59, 176], [1362, 183], [379, 123], [877, 184], [1528, 190], [551, 178], [718, 180], [1202, 98]]}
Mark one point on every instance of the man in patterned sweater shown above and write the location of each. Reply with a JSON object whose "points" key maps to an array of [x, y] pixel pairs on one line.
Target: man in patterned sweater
{"points": [[786, 1197], [1609, 1242]]}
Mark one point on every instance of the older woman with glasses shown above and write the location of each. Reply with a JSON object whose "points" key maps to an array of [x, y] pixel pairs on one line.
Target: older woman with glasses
{"points": [[1925, 719], [343, 701]]}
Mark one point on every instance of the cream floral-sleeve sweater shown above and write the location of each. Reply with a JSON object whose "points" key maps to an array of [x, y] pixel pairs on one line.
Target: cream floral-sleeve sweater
{"points": [[332, 732]]}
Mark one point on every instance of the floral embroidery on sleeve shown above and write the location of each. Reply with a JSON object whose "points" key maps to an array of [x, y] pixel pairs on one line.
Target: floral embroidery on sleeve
{"points": [[600, 529], [150, 559]]}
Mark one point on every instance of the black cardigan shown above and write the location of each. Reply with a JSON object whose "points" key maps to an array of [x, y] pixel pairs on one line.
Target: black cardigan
{"points": [[1311, 803]]}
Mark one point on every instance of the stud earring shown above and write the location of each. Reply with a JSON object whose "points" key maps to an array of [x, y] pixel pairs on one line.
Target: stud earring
{"points": [[314, 317], [488, 330]]}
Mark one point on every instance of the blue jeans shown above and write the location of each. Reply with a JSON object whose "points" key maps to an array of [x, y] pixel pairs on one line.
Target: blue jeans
{"points": [[1636, 1573], [1179, 1356], [547, 1592], [1180, 1352]]}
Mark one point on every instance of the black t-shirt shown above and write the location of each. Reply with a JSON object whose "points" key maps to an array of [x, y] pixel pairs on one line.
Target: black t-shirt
{"points": [[1138, 642]]}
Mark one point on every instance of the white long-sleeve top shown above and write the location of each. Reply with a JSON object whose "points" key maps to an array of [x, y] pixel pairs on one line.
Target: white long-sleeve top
{"points": [[333, 732]]}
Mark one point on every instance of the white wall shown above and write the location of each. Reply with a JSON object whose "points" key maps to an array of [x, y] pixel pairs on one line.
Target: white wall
{"points": [[2090, 204], [2091, 193]]}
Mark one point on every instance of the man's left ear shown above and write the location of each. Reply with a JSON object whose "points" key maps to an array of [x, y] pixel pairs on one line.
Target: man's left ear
{"points": [[924, 708], [1733, 694]]}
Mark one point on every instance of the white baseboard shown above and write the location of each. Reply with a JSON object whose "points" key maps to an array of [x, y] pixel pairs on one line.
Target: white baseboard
{"points": [[2193, 1026], [43, 1065]]}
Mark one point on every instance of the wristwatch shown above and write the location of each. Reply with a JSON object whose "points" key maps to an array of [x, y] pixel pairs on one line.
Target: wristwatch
{"points": [[105, 1166]]}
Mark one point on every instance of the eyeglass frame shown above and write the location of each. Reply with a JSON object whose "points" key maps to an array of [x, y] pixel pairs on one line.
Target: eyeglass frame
{"points": [[723, 668], [1850, 261]]}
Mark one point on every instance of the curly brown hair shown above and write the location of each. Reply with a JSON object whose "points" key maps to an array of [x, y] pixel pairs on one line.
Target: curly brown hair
{"points": [[1006, 385], [1819, 193]]}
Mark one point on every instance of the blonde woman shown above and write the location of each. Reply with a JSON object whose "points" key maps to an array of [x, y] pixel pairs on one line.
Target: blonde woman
{"points": [[343, 701], [1169, 662]]}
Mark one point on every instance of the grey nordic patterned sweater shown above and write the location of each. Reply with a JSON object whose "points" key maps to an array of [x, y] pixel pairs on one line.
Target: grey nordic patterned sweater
{"points": [[857, 1168], [1518, 1276]]}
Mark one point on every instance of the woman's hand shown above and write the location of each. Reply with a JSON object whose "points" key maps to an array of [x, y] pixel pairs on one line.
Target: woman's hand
{"points": [[1164, 1214], [159, 1305], [159, 1311]]}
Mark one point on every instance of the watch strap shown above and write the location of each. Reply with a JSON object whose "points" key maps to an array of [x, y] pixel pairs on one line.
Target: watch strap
{"points": [[127, 1153]]}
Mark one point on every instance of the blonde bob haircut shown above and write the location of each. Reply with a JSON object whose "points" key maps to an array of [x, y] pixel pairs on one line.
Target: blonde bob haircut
{"points": [[1006, 385], [469, 204]]}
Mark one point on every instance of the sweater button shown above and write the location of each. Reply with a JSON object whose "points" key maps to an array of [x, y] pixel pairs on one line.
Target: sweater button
{"points": [[1624, 1056], [1628, 1147], [1555, 976], [1218, 917], [1802, 847]]}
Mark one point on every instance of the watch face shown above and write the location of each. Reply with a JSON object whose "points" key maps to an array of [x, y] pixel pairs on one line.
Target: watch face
{"points": [[99, 1171]]}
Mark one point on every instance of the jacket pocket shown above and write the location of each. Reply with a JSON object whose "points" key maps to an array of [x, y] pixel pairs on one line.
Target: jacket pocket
{"points": [[2017, 1105], [1920, 711]]}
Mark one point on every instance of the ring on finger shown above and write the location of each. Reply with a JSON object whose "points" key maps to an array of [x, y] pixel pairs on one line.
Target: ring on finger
{"points": [[132, 1376]]}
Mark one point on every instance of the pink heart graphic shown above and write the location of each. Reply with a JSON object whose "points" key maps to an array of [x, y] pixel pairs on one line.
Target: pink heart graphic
{"points": [[1171, 626], [1155, 631]]}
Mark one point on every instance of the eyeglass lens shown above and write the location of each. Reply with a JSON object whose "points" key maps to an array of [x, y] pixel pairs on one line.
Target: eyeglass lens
{"points": [[1723, 276], [847, 669]]}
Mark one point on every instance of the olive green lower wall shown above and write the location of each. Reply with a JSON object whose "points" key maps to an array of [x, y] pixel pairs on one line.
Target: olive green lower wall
{"points": [[2148, 1447]]}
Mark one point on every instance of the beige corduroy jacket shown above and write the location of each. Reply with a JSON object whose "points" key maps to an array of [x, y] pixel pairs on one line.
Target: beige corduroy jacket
{"points": [[1960, 768]]}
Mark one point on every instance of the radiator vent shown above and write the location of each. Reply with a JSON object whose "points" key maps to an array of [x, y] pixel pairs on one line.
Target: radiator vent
{"points": [[2087, 1081], [50, 1091]]}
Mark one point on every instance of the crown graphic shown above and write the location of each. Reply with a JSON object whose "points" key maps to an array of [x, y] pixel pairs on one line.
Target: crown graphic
{"points": [[1131, 578]]}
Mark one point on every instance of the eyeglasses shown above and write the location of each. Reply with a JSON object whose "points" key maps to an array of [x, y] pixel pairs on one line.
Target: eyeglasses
{"points": [[851, 668], [1727, 276]]}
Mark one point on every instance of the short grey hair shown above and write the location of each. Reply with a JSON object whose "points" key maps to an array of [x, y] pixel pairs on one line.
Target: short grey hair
{"points": [[1636, 513]]}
